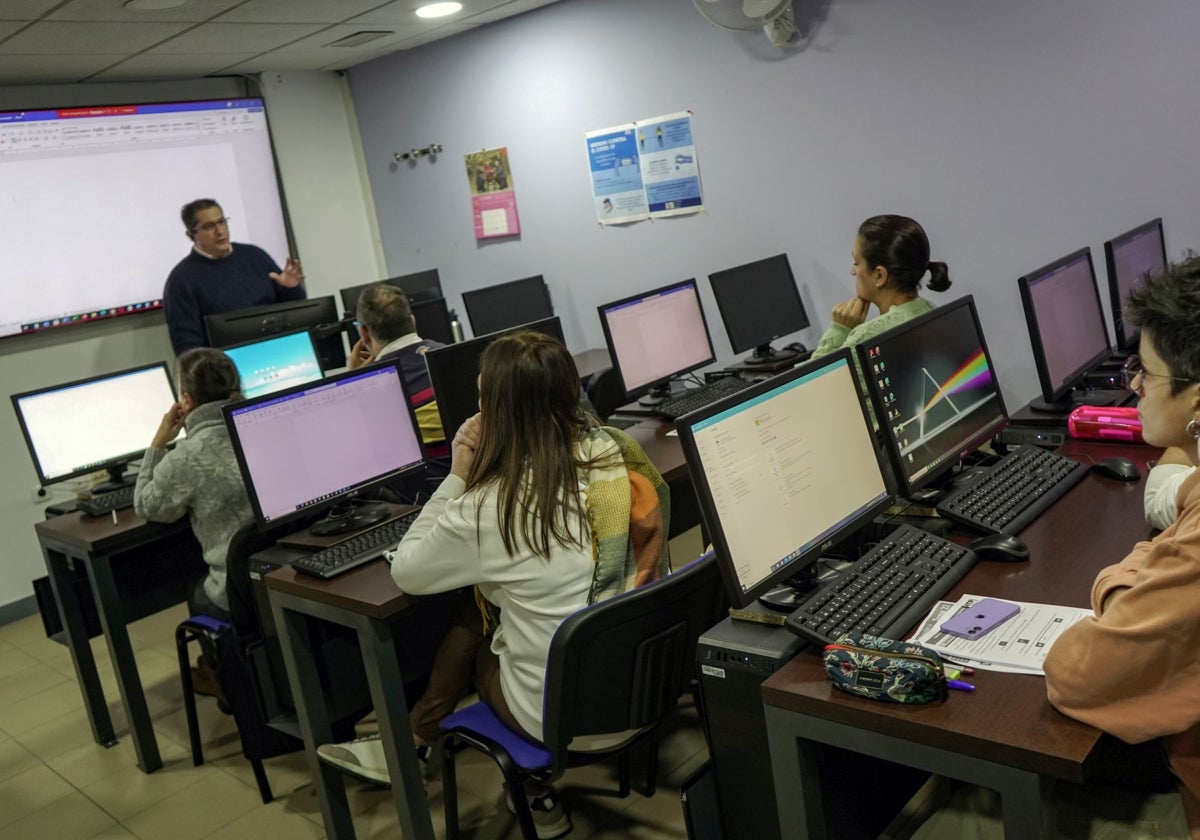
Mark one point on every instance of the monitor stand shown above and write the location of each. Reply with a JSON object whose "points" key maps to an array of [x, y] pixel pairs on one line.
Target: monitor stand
{"points": [[766, 356], [657, 396], [350, 516], [117, 480], [1073, 401], [792, 592]]}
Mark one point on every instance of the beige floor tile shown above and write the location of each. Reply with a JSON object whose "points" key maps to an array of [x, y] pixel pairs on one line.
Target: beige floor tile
{"points": [[67, 732], [657, 818], [218, 731], [117, 832], [15, 759], [197, 810], [272, 820], [34, 678], [74, 817], [24, 632], [90, 762], [285, 773], [46, 706], [13, 660], [30, 791], [129, 791]]}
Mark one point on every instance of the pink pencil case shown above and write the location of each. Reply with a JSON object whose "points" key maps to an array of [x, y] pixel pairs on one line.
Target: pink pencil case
{"points": [[1098, 422]]}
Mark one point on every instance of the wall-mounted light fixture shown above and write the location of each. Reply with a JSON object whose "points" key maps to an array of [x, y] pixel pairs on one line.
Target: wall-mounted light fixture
{"points": [[413, 154]]}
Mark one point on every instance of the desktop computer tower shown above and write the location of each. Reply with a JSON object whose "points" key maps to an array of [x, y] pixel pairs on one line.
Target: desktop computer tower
{"points": [[734, 659]]}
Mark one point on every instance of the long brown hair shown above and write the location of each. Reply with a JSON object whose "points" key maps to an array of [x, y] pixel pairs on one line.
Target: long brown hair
{"points": [[528, 452]]}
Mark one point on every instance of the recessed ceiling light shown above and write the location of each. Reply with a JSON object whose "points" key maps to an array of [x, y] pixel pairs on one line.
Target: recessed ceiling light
{"points": [[436, 10], [154, 5]]}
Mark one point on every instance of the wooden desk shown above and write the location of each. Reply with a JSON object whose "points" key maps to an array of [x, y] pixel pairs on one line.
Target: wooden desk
{"points": [[134, 568], [1005, 735], [591, 362], [367, 601]]}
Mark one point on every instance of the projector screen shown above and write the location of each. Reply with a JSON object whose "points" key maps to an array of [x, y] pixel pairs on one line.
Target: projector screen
{"points": [[89, 208]]}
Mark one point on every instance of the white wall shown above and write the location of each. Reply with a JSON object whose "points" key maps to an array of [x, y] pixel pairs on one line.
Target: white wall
{"points": [[313, 128], [1015, 132]]}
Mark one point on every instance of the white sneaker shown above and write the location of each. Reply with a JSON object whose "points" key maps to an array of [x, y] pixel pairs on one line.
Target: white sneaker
{"points": [[363, 758], [549, 817]]}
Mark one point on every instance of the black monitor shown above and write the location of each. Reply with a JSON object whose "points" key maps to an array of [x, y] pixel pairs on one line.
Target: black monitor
{"points": [[242, 325], [422, 286], [507, 305], [99, 423], [782, 471], [272, 364], [1130, 257], [454, 373], [433, 320], [655, 337], [935, 392], [1066, 329], [321, 445], [759, 302]]}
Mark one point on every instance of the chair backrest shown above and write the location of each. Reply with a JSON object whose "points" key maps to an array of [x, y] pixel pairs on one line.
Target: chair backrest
{"points": [[245, 618], [622, 664], [607, 392]]}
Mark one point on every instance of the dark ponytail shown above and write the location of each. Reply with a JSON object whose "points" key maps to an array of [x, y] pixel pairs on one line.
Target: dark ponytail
{"points": [[900, 245], [939, 277]]}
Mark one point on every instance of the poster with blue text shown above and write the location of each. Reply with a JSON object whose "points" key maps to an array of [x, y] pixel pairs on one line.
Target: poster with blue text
{"points": [[616, 175], [670, 170]]}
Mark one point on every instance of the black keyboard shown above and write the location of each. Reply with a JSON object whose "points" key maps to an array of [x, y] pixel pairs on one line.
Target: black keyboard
{"points": [[1014, 492], [694, 398], [887, 591], [359, 549], [103, 504]]}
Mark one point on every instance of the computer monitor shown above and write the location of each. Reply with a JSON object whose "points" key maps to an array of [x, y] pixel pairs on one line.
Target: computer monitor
{"points": [[422, 286], [433, 320], [321, 445], [454, 373], [1130, 257], [242, 325], [655, 337], [935, 392], [783, 470], [759, 302], [272, 364], [1066, 329], [99, 423], [508, 305]]}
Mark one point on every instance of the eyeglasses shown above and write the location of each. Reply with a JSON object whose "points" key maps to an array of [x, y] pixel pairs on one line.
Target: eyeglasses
{"points": [[1133, 373], [209, 227]]}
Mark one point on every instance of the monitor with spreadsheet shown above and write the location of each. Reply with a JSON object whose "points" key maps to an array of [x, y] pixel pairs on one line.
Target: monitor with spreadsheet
{"points": [[656, 336], [454, 373], [783, 470], [1066, 325], [759, 302], [272, 364], [507, 305], [321, 445], [1130, 257], [229, 328], [99, 423], [934, 389]]}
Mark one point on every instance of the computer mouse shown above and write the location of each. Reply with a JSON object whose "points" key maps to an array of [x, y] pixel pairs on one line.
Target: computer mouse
{"points": [[1122, 469], [1002, 547]]}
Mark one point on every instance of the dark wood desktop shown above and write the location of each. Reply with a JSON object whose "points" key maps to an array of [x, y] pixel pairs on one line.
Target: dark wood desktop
{"points": [[134, 568], [1005, 735]]}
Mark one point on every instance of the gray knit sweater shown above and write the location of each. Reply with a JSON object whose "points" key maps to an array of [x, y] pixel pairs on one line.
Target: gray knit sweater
{"points": [[199, 477]]}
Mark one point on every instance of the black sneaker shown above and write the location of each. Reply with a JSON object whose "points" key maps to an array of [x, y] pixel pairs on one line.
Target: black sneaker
{"points": [[549, 817]]}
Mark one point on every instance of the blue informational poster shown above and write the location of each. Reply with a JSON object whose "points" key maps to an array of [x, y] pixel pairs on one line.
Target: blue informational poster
{"points": [[614, 160], [670, 170]]}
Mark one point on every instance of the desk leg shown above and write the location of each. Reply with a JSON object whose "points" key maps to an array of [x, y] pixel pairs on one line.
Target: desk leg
{"points": [[112, 619], [797, 777], [382, 665], [58, 566], [314, 716], [1027, 803]]}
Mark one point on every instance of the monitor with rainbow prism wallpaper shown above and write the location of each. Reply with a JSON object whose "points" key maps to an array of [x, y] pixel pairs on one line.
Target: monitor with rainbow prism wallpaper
{"points": [[934, 390]]}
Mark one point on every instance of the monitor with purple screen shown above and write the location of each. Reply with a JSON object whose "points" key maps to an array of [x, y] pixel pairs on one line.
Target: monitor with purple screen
{"points": [[1130, 257], [1066, 328], [320, 445], [655, 337]]}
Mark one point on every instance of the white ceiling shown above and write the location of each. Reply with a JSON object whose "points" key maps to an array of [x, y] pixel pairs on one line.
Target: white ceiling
{"points": [[45, 41]]}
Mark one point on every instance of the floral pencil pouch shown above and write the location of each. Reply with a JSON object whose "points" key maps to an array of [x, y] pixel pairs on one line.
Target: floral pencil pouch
{"points": [[885, 669]]}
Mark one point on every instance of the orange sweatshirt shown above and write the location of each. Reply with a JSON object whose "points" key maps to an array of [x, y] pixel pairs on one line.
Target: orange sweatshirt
{"points": [[1134, 669]]}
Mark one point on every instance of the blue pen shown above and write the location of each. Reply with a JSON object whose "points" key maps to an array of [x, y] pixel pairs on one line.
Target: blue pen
{"points": [[959, 685]]}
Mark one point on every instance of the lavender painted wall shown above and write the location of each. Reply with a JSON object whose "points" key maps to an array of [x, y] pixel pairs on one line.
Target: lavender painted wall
{"points": [[1015, 132]]}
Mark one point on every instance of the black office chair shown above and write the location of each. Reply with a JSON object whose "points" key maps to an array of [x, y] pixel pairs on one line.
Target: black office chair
{"points": [[616, 666], [607, 392]]}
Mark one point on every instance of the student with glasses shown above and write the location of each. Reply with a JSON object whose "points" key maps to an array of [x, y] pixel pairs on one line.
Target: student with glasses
{"points": [[1169, 473], [219, 275]]}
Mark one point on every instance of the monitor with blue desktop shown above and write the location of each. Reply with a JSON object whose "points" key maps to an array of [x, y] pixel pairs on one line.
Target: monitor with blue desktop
{"points": [[1130, 257], [323, 446], [1067, 332], [759, 302], [99, 423], [507, 305], [656, 337], [933, 386], [229, 328], [783, 470], [272, 364]]}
